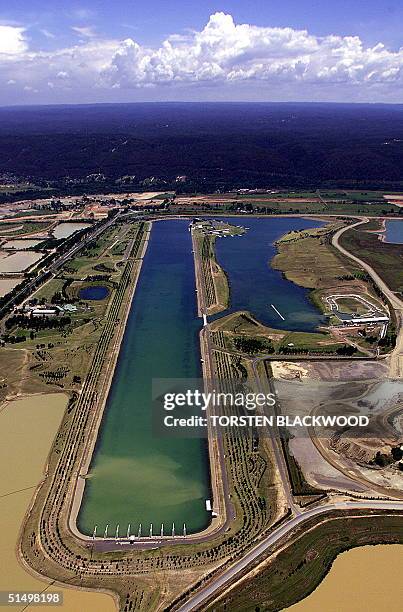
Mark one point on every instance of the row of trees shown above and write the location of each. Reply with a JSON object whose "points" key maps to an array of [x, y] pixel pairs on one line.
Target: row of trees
{"points": [[36, 323], [251, 346]]}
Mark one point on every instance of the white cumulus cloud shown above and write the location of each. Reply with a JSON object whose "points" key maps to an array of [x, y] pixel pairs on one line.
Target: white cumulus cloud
{"points": [[227, 52], [12, 40], [222, 54]]}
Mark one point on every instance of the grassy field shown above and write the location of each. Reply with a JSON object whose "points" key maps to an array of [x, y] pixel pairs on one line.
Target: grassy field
{"points": [[215, 282], [308, 259], [47, 291], [352, 305], [370, 203], [297, 571], [28, 227], [12, 371], [386, 258], [33, 213], [340, 194], [58, 358], [228, 331], [318, 207]]}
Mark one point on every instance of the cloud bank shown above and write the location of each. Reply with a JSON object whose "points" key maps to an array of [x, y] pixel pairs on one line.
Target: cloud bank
{"points": [[12, 41], [224, 56]]}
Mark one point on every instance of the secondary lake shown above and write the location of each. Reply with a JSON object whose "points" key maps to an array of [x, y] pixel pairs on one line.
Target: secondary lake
{"points": [[254, 285], [64, 230], [136, 476], [93, 292], [7, 284], [17, 262], [20, 245], [367, 578], [394, 231]]}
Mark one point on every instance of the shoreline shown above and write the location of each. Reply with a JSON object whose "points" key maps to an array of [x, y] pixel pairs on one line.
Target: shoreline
{"points": [[217, 523], [218, 479], [75, 498], [79, 486], [382, 233], [218, 276], [204, 334]]}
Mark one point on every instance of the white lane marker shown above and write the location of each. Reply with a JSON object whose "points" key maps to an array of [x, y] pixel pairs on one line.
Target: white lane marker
{"points": [[279, 313]]}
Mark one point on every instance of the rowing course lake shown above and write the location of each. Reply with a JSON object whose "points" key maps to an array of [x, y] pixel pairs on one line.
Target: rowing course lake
{"points": [[254, 285], [136, 477], [394, 231]]}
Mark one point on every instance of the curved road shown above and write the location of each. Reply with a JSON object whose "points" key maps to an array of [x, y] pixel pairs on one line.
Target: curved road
{"points": [[232, 572], [396, 371], [396, 358]]}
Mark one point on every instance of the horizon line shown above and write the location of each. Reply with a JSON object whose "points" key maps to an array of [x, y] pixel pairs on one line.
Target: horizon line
{"points": [[199, 102]]}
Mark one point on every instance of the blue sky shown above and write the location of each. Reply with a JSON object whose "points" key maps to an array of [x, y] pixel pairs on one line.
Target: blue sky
{"points": [[128, 50]]}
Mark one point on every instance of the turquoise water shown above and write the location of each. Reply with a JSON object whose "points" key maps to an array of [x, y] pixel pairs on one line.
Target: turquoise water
{"points": [[255, 285], [137, 477], [394, 231]]}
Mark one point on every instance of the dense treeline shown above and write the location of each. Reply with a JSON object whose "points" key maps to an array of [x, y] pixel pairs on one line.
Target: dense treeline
{"points": [[215, 146], [252, 345], [36, 322]]}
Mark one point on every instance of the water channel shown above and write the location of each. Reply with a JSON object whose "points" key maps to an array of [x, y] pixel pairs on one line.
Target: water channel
{"points": [[135, 476]]}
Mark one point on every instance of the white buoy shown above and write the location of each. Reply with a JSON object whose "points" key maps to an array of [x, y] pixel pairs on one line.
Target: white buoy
{"points": [[106, 531], [128, 531]]}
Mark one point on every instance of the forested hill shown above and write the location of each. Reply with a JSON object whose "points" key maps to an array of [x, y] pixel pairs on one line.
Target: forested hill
{"points": [[235, 144]]}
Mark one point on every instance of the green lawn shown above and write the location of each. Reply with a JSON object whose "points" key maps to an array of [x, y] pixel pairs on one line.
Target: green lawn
{"points": [[386, 258]]}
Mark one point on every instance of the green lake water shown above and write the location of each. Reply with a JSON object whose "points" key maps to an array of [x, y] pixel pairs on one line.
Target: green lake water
{"points": [[137, 476]]}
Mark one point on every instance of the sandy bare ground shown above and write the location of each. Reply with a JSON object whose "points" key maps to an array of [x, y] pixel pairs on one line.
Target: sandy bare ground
{"points": [[397, 200], [363, 579], [28, 426], [6, 284]]}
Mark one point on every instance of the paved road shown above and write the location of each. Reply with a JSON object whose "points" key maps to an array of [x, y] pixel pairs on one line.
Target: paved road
{"points": [[197, 600], [233, 572], [396, 357]]}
